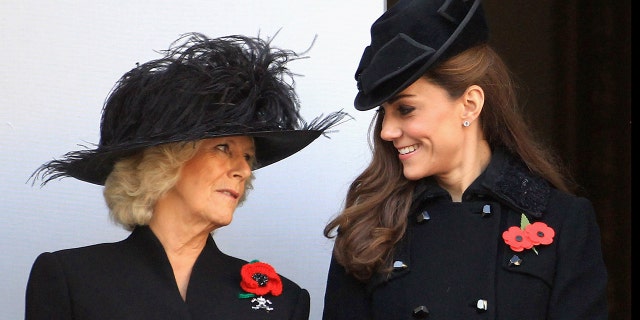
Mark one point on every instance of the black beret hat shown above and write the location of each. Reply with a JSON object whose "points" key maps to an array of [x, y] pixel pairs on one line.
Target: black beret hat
{"points": [[201, 88], [411, 37]]}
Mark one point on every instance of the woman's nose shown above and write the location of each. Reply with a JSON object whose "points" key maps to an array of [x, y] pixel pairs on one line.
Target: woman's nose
{"points": [[242, 168], [390, 129]]}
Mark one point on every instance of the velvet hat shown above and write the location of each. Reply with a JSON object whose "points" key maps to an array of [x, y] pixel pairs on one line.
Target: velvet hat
{"points": [[201, 88], [411, 37]]}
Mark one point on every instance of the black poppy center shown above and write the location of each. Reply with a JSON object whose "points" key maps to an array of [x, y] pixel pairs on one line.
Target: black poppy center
{"points": [[261, 279]]}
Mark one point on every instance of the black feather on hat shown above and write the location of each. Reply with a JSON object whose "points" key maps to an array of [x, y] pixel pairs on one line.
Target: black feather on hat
{"points": [[411, 37], [201, 88]]}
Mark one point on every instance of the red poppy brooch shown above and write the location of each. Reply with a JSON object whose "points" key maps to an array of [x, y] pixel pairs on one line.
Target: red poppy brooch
{"points": [[528, 235], [259, 279]]}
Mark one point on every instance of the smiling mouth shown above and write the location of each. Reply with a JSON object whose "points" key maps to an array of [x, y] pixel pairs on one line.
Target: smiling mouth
{"points": [[408, 149]]}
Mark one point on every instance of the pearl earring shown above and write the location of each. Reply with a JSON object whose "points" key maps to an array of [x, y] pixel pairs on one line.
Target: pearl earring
{"points": [[466, 123]]}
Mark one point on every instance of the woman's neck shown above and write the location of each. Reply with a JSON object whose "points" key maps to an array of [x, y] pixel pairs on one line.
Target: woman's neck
{"points": [[474, 162], [182, 243]]}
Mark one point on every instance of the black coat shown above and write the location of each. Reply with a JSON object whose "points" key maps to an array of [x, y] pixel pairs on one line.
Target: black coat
{"points": [[132, 279], [454, 264]]}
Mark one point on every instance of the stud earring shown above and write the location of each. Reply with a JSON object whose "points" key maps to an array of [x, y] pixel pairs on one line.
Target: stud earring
{"points": [[466, 123]]}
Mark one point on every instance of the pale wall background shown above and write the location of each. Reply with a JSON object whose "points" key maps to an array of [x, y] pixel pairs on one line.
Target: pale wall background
{"points": [[59, 60]]}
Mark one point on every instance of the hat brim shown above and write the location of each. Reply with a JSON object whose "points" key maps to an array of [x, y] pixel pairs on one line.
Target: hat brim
{"points": [[94, 166]]}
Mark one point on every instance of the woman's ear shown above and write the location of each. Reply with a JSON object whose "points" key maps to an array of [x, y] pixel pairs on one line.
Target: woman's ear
{"points": [[473, 101]]}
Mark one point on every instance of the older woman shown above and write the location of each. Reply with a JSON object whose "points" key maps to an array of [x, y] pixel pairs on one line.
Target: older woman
{"points": [[180, 137]]}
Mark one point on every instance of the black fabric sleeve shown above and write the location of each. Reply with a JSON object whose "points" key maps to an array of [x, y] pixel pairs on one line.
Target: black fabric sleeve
{"points": [[47, 292], [345, 297]]}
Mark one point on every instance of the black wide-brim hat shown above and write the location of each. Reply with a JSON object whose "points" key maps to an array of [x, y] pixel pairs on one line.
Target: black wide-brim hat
{"points": [[202, 88], [412, 37]]}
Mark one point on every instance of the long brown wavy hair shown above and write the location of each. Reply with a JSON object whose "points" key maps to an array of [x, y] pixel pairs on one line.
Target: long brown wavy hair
{"points": [[378, 200]]}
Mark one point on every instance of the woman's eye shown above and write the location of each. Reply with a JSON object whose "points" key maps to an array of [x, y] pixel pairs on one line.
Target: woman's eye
{"points": [[404, 110], [251, 159], [223, 147]]}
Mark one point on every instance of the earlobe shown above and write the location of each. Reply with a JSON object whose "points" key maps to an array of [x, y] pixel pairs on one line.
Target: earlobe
{"points": [[473, 101]]}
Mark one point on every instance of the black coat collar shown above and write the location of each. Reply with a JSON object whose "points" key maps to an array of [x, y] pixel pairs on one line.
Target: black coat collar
{"points": [[506, 178]]}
